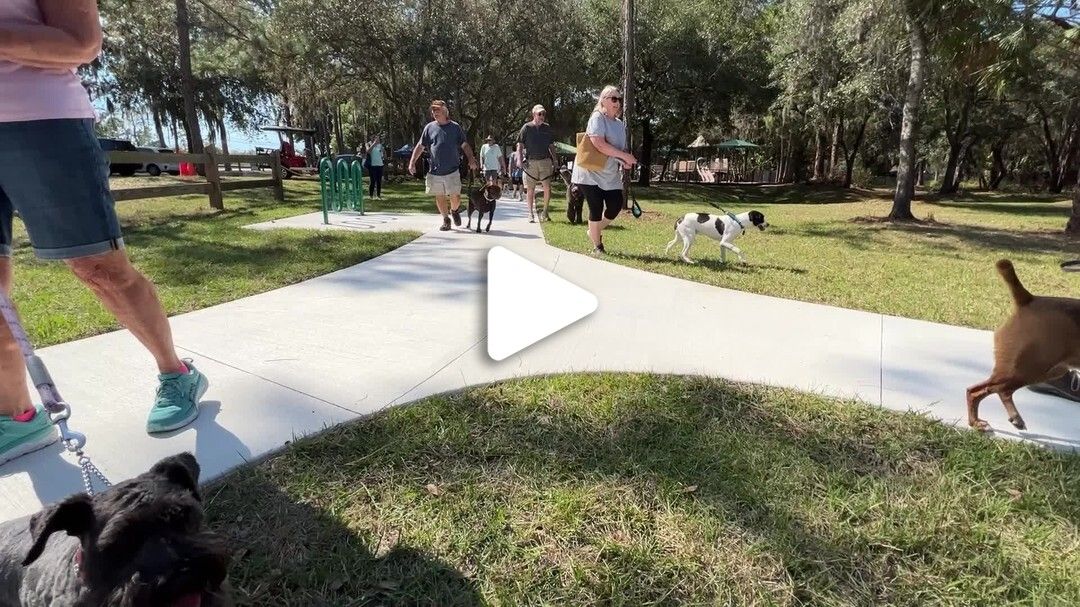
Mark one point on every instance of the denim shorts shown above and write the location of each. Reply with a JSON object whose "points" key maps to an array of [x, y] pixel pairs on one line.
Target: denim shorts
{"points": [[55, 175]]}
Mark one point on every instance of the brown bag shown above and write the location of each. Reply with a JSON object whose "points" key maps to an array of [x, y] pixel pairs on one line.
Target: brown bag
{"points": [[588, 157]]}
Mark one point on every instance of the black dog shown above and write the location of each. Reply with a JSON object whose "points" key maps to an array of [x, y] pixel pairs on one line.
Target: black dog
{"points": [[575, 198], [141, 543], [483, 200]]}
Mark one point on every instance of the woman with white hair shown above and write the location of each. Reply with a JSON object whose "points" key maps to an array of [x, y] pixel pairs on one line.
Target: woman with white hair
{"points": [[604, 188]]}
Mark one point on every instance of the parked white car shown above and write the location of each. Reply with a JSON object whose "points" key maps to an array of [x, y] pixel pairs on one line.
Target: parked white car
{"points": [[157, 168]]}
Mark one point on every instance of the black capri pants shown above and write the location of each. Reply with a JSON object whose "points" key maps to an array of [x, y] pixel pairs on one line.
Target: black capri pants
{"points": [[599, 199]]}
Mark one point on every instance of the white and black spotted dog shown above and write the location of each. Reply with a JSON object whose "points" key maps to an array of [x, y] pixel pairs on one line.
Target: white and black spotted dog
{"points": [[724, 228]]}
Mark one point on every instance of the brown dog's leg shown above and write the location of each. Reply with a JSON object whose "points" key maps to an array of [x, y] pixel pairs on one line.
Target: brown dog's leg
{"points": [[993, 385], [1010, 408]]}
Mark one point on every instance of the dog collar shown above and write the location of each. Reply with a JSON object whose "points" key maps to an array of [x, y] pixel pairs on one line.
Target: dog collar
{"points": [[735, 219]]}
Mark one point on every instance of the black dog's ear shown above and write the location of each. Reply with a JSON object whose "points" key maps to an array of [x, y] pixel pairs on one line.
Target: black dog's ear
{"points": [[75, 515], [181, 469]]}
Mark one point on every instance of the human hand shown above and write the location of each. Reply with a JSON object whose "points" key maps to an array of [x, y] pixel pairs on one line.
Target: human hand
{"points": [[412, 169]]}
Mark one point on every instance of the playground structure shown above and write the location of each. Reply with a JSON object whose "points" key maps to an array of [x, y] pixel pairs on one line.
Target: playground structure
{"points": [[292, 164], [341, 183]]}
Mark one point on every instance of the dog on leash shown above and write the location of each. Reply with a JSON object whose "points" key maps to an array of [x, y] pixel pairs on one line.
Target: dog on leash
{"points": [[1038, 343], [723, 228], [142, 543], [483, 200], [575, 198]]}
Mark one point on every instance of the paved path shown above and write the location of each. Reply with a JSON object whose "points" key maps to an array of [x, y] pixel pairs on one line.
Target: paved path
{"points": [[411, 324]]}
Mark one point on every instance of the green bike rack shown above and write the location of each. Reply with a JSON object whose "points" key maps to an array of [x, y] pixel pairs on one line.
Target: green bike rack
{"points": [[341, 185]]}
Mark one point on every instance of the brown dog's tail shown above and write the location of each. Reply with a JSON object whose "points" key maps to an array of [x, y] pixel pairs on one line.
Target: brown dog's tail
{"points": [[1021, 296]]}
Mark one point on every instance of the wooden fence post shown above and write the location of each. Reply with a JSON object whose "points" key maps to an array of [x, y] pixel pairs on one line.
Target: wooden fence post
{"points": [[275, 166], [212, 176]]}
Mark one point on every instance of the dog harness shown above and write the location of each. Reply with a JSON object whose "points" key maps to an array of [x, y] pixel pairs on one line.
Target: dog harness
{"points": [[736, 220]]}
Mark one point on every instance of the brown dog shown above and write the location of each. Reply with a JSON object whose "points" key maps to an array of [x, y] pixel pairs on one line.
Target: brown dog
{"points": [[575, 198], [483, 200], [1040, 342]]}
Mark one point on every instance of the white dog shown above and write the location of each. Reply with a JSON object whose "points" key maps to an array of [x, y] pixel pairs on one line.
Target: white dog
{"points": [[724, 228]]}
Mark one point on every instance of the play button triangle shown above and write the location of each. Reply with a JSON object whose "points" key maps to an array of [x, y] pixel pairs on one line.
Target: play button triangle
{"points": [[517, 286]]}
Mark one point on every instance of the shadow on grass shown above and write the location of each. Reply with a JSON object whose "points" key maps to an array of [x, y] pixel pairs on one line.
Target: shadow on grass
{"points": [[287, 552], [756, 194], [1033, 208], [732, 265], [761, 467], [941, 237]]}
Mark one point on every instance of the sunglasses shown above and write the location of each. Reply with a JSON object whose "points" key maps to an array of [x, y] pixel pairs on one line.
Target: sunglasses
{"points": [[616, 99]]}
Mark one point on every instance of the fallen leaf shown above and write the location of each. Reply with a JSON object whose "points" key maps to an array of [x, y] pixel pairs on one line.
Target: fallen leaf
{"points": [[1014, 494], [688, 489], [433, 489]]}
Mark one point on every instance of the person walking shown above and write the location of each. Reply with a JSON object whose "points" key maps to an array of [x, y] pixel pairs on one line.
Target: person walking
{"points": [[604, 188], [446, 139], [492, 158], [536, 145], [54, 173], [375, 167]]}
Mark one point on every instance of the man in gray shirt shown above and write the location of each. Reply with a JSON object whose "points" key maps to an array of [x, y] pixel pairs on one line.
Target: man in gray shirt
{"points": [[446, 139], [536, 145]]}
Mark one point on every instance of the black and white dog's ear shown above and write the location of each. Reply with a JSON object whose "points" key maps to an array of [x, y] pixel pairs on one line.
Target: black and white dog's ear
{"points": [[74, 515], [181, 469]]}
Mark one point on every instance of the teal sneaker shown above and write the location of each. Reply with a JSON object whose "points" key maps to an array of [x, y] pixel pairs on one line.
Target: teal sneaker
{"points": [[177, 402], [19, 438]]}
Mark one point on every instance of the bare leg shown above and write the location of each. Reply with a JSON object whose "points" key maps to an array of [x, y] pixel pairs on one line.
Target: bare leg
{"points": [[16, 396], [133, 300]]}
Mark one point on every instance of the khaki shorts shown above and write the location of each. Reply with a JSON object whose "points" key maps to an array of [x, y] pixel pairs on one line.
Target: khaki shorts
{"points": [[443, 185], [538, 171]]}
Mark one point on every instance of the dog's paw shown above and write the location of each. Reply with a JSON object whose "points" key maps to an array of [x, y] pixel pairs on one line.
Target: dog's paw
{"points": [[979, 425], [688, 260], [1018, 423]]}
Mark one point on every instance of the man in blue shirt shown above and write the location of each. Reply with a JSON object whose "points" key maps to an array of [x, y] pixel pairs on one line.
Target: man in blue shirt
{"points": [[446, 139]]}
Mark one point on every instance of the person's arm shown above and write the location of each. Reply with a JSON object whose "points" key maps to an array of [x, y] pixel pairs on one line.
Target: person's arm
{"points": [[70, 37], [607, 149], [469, 155], [416, 154]]}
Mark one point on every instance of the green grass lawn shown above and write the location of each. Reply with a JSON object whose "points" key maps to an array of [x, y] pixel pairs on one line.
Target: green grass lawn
{"points": [[645, 490], [196, 256], [820, 248]]}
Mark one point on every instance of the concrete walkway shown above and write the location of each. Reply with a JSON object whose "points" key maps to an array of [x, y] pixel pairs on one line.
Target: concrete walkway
{"points": [[411, 324]]}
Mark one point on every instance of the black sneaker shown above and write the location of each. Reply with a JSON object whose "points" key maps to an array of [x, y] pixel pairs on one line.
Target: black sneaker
{"points": [[445, 224], [1067, 386], [457, 216]]}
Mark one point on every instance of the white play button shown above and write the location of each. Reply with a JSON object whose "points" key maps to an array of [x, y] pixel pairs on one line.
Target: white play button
{"points": [[516, 288]]}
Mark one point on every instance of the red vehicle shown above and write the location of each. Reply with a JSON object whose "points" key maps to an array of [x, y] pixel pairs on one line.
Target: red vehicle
{"points": [[291, 162]]}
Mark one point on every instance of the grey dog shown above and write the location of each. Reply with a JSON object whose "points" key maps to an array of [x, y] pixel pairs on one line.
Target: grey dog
{"points": [[143, 542]]}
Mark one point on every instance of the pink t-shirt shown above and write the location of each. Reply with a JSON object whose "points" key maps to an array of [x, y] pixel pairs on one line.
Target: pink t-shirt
{"points": [[28, 93]]}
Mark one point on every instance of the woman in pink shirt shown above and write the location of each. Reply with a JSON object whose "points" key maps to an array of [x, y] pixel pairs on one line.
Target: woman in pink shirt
{"points": [[53, 172]]}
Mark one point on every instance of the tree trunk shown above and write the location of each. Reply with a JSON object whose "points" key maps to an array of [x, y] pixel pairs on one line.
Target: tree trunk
{"points": [[187, 80], [849, 157], [224, 142], [832, 152], [819, 156], [339, 131], [905, 175], [1069, 146], [957, 138], [157, 125], [175, 134], [646, 154], [1073, 227], [998, 169]]}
